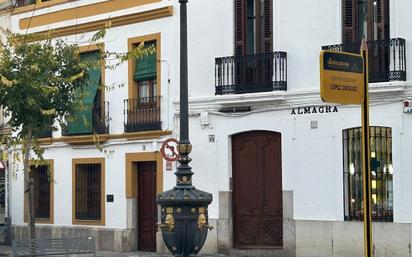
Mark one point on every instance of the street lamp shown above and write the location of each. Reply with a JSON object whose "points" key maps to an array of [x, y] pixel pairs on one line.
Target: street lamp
{"points": [[184, 209]]}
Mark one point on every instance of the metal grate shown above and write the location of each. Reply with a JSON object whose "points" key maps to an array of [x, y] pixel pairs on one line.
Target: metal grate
{"points": [[88, 191], [64, 246], [381, 174], [387, 58], [100, 119], [142, 114], [251, 73]]}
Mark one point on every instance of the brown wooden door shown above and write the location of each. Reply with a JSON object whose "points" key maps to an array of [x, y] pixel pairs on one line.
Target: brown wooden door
{"points": [[146, 206], [257, 190]]}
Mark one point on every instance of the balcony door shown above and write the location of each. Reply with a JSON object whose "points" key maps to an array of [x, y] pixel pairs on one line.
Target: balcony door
{"points": [[369, 19], [253, 45]]}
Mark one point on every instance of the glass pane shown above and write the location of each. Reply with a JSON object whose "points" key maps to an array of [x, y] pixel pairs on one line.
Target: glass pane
{"points": [[251, 27], [144, 87], [381, 173], [362, 19]]}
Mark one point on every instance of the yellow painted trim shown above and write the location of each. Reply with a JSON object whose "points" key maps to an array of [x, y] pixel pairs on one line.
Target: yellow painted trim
{"points": [[78, 12], [105, 137], [132, 43], [115, 22], [50, 163], [131, 172], [32, 7], [102, 221]]}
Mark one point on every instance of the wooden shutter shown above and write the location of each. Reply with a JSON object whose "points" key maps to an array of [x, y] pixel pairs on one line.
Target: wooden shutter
{"points": [[349, 21], [240, 27], [268, 25], [383, 19]]}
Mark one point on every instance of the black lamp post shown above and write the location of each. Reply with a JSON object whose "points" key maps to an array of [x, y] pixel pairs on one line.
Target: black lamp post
{"points": [[184, 209]]}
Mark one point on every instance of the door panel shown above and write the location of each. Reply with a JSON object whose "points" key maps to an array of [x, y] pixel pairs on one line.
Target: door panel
{"points": [[147, 209], [257, 190]]}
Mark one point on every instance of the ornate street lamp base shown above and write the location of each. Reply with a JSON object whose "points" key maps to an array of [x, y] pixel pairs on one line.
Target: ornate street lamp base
{"points": [[184, 216]]}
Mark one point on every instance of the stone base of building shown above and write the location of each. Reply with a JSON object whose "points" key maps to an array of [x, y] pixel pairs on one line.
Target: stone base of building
{"points": [[345, 238]]}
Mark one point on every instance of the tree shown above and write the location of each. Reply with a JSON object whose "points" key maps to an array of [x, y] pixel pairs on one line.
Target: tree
{"points": [[41, 83]]}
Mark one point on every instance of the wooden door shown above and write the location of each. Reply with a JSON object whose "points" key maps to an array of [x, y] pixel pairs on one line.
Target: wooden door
{"points": [[257, 190], [146, 206]]}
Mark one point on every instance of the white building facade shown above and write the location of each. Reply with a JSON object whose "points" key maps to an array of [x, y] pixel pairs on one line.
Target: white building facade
{"points": [[283, 167]]}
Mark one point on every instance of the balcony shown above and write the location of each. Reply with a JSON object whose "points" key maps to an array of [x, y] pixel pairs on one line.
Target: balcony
{"points": [[141, 114], [20, 3], [387, 58], [99, 121], [250, 73]]}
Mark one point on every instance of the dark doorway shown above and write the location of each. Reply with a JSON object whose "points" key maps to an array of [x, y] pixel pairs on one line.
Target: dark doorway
{"points": [[146, 206], [257, 190]]}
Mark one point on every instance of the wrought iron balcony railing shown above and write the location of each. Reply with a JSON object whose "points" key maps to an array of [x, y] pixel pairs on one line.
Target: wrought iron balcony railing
{"points": [[250, 73], [387, 58], [100, 121], [20, 3], [142, 114]]}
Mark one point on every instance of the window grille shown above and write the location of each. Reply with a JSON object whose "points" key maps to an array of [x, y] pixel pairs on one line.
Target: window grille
{"points": [[88, 191], [381, 173]]}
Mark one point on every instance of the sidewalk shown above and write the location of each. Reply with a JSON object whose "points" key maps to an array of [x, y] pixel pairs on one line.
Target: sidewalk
{"points": [[6, 251]]}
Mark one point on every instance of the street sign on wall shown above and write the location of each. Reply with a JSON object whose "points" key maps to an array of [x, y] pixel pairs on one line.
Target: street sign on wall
{"points": [[341, 77]]}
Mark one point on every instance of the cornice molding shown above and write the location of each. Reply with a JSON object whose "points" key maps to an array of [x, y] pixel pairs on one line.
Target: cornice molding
{"points": [[278, 100], [115, 22]]}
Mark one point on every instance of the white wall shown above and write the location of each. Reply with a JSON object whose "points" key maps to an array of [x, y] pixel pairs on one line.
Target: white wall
{"points": [[312, 159]]}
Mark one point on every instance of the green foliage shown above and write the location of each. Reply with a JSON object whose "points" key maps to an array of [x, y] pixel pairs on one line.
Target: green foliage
{"points": [[37, 83], [42, 84]]}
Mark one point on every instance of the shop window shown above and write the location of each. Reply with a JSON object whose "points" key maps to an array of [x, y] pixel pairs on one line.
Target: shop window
{"points": [[381, 173]]}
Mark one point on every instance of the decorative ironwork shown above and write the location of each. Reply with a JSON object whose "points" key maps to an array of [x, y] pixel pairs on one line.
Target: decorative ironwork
{"points": [[88, 191], [387, 58], [100, 119], [251, 73], [190, 230], [381, 173], [142, 114]]}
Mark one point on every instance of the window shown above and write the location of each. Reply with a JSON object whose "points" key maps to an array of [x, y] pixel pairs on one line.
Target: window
{"points": [[90, 117], [253, 26], [142, 108], [89, 191], [43, 176], [367, 19], [145, 76], [42, 180], [381, 173]]}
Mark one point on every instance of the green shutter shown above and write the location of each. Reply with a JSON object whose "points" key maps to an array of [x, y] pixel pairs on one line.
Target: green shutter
{"points": [[146, 67], [82, 121]]}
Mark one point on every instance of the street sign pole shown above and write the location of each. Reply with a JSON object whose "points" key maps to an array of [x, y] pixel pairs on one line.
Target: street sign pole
{"points": [[366, 174], [344, 80]]}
